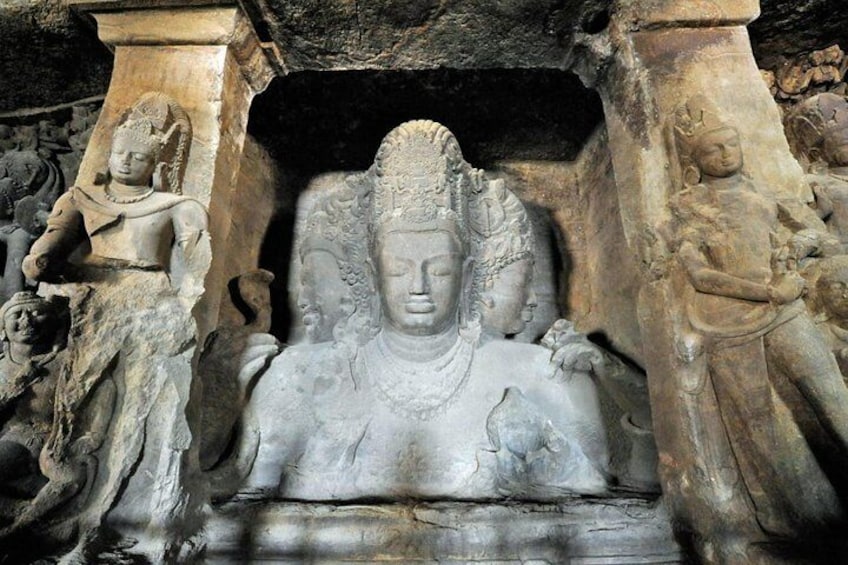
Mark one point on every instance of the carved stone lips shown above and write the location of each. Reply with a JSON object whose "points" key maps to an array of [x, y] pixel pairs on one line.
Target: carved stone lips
{"points": [[420, 305], [310, 317]]}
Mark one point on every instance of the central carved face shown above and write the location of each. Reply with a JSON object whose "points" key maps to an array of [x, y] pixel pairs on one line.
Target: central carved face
{"points": [[507, 305], [132, 161], [719, 153], [29, 324], [420, 279]]}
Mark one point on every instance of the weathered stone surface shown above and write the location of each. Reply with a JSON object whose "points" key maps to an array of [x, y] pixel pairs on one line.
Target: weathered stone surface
{"points": [[608, 531], [789, 27]]}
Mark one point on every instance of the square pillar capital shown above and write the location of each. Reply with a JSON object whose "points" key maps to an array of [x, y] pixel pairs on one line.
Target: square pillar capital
{"points": [[126, 23], [650, 14]]}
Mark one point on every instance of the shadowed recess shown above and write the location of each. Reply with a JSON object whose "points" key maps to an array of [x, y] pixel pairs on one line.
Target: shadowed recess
{"points": [[314, 121]]}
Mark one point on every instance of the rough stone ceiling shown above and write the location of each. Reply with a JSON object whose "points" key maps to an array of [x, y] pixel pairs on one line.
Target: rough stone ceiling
{"points": [[49, 55], [390, 34]]}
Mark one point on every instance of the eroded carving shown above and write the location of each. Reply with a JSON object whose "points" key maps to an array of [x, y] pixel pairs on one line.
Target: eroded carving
{"points": [[818, 130], [117, 455], [34, 334]]}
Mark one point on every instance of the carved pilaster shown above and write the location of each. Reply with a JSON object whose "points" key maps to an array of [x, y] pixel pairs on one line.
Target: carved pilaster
{"points": [[653, 57], [206, 55]]}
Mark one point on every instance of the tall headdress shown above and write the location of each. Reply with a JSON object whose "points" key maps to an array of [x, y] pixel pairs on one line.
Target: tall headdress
{"points": [[698, 116], [812, 119], [501, 231], [421, 181], [157, 121]]}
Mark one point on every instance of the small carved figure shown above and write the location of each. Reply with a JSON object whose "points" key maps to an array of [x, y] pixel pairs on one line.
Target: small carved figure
{"points": [[818, 128], [828, 301], [26, 173], [407, 412], [744, 308], [121, 438], [34, 333], [134, 213]]}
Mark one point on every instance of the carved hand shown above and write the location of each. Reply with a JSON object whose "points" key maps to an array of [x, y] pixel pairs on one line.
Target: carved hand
{"points": [[34, 266], [572, 351], [786, 287]]}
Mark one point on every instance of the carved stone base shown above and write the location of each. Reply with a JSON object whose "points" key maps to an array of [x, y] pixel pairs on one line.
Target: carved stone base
{"points": [[582, 531]]}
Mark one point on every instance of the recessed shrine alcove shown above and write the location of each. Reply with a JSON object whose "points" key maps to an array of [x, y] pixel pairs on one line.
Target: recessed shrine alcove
{"points": [[539, 128], [541, 131], [281, 101]]}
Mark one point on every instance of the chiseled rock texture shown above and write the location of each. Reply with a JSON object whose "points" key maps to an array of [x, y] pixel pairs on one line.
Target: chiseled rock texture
{"points": [[49, 54]]}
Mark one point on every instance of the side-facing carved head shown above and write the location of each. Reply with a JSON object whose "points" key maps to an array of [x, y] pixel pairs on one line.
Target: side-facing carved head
{"points": [[505, 252], [323, 297], [818, 129], [333, 272], [829, 296], [150, 146], [708, 148], [419, 238], [29, 319]]}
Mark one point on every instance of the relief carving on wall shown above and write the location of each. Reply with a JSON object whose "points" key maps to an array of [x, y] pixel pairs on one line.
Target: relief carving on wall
{"points": [[768, 364], [130, 252]]}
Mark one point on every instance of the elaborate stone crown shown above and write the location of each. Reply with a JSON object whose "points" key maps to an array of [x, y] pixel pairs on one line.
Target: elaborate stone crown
{"points": [[501, 230], [692, 120], [421, 180], [157, 121], [698, 116]]}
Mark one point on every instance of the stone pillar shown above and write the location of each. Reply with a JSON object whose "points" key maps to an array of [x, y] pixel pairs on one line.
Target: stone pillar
{"points": [[206, 56], [653, 56], [208, 59]]}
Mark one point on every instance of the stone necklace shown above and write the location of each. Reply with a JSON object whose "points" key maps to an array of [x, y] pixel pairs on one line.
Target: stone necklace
{"points": [[127, 199], [418, 389], [27, 372]]}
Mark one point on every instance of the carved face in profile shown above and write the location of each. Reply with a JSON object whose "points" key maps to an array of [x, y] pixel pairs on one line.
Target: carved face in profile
{"points": [[132, 161], [323, 296], [718, 153], [420, 276], [835, 146], [832, 290], [506, 305], [29, 323]]}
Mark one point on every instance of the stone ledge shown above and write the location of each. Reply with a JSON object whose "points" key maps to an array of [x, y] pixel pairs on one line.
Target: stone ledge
{"points": [[581, 531]]}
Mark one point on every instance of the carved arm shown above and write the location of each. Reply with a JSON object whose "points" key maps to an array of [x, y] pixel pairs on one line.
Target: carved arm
{"points": [[782, 289], [64, 232], [190, 223]]}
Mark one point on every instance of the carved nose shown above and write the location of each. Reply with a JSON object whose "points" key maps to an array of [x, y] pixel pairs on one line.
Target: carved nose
{"points": [[25, 319], [418, 285]]}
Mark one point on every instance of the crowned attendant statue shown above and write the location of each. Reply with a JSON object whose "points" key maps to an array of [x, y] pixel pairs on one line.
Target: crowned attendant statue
{"points": [[424, 408], [769, 366], [132, 330]]}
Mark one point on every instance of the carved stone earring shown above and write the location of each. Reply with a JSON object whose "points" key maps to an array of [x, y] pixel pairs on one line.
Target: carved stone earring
{"points": [[691, 175]]}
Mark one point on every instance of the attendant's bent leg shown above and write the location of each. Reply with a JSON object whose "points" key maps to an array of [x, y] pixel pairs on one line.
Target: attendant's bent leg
{"points": [[798, 350]]}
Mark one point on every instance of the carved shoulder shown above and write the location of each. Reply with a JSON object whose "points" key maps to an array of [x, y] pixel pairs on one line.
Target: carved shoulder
{"points": [[190, 215]]}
